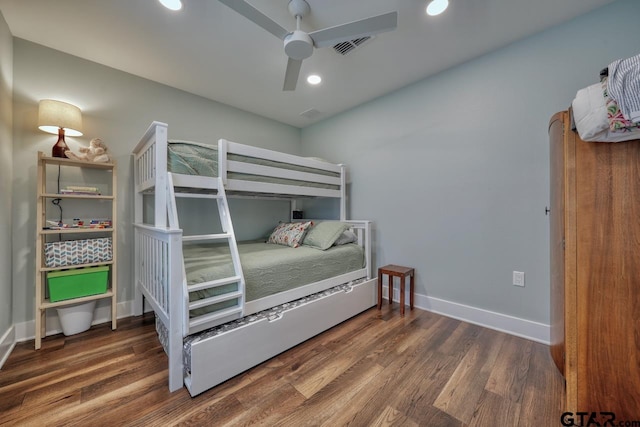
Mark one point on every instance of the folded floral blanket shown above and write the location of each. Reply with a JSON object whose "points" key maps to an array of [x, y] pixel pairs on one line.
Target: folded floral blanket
{"points": [[617, 121]]}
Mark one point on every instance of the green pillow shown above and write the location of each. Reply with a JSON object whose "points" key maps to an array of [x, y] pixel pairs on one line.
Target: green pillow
{"points": [[324, 234]]}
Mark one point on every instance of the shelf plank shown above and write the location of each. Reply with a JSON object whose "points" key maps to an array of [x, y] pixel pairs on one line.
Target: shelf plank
{"points": [[77, 230], [48, 304], [77, 196], [69, 267], [77, 163]]}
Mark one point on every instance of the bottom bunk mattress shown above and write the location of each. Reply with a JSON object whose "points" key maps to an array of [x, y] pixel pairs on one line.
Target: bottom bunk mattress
{"points": [[268, 268]]}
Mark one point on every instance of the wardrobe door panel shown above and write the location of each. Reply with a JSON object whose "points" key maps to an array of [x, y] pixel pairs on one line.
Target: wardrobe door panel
{"points": [[608, 277], [556, 229]]}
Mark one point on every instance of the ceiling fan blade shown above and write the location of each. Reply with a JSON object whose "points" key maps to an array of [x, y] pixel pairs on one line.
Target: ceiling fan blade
{"points": [[354, 30], [291, 75], [259, 18]]}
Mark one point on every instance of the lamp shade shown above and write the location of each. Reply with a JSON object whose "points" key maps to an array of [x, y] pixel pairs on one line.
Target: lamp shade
{"points": [[53, 115]]}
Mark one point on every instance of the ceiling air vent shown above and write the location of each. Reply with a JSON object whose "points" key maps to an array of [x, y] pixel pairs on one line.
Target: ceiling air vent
{"points": [[344, 48]]}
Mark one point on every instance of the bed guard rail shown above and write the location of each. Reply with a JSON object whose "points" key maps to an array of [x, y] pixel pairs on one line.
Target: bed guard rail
{"points": [[158, 253], [159, 277], [362, 228]]}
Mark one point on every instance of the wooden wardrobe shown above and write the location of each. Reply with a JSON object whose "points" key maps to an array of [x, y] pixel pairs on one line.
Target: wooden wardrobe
{"points": [[595, 270]]}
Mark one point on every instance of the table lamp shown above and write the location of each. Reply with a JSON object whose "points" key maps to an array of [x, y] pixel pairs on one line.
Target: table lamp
{"points": [[59, 117]]}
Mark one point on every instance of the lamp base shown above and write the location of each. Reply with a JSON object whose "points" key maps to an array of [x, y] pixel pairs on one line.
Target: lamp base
{"points": [[61, 146]]}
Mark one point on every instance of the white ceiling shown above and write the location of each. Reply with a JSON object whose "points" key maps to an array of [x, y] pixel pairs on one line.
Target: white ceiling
{"points": [[209, 50]]}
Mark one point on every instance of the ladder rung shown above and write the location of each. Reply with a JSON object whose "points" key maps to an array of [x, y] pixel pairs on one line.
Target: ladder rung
{"points": [[198, 196], [214, 283], [197, 237], [214, 300], [200, 320]]}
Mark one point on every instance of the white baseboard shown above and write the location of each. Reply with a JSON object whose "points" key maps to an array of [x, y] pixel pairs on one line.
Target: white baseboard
{"points": [[528, 329], [7, 342], [27, 330]]}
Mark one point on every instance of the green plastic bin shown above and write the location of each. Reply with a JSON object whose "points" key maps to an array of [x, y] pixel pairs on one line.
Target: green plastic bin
{"points": [[76, 283]]}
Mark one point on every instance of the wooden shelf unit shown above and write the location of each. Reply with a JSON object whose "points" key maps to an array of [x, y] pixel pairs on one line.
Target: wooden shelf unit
{"points": [[42, 303]]}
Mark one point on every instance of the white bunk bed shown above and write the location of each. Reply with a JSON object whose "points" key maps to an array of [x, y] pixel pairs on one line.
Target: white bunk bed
{"points": [[205, 350]]}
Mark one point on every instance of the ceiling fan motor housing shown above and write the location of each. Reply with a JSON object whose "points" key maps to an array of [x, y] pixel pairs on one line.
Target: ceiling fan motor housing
{"points": [[298, 45]]}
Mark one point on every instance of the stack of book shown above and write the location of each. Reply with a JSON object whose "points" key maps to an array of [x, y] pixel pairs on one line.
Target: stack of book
{"points": [[75, 189]]}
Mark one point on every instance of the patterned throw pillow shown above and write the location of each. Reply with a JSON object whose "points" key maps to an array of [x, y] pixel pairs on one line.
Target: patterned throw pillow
{"points": [[289, 233]]}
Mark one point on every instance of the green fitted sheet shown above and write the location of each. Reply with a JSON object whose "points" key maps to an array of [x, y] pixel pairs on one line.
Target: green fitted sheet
{"points": [[193, 158], [268, 268]]}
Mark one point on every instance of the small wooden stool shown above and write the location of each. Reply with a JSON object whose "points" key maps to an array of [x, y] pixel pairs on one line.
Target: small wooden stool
{"points": [[401, 272]]}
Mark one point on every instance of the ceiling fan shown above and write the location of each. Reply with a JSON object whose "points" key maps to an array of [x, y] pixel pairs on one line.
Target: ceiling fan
{"points": [[299, 45]]}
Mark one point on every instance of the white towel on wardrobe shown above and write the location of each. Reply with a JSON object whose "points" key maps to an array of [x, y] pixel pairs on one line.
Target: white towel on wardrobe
{"points": [[590, 112]]}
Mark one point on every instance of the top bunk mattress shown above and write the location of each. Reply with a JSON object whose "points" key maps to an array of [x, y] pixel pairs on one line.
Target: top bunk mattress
{"points": [[194, 158], [268, 268]]}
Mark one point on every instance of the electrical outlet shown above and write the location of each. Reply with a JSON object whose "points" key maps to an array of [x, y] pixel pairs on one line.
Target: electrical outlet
{"points": [[518, 278]]}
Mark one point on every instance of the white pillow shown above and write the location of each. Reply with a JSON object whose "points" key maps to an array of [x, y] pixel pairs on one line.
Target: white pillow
{"points": [[347, 236]]}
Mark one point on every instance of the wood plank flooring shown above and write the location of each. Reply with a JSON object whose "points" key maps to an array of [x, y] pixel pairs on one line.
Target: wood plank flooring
{"points": [[376, 369]]}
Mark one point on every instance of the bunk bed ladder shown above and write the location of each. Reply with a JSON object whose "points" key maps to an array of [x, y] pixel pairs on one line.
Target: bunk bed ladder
{"points": [[197, 323]]}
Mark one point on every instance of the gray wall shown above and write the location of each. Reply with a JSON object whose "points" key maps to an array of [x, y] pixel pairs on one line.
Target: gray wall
{"points": [[118, 108], [454, 169], [6, 172]]}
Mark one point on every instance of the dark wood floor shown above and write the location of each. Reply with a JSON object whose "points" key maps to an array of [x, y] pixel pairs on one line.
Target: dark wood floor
{"points": [[375, 369]]}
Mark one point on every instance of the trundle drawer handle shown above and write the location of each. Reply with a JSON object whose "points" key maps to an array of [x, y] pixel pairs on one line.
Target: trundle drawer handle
{"points": [[275, 317]]}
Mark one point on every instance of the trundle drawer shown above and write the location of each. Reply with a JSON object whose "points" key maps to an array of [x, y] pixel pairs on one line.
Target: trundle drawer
{"points": [[218, 358]]}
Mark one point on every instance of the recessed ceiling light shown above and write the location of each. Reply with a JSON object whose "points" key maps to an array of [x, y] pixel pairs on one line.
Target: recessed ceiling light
{"points": [[172, 4], [436, 7], [314, 79]]}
